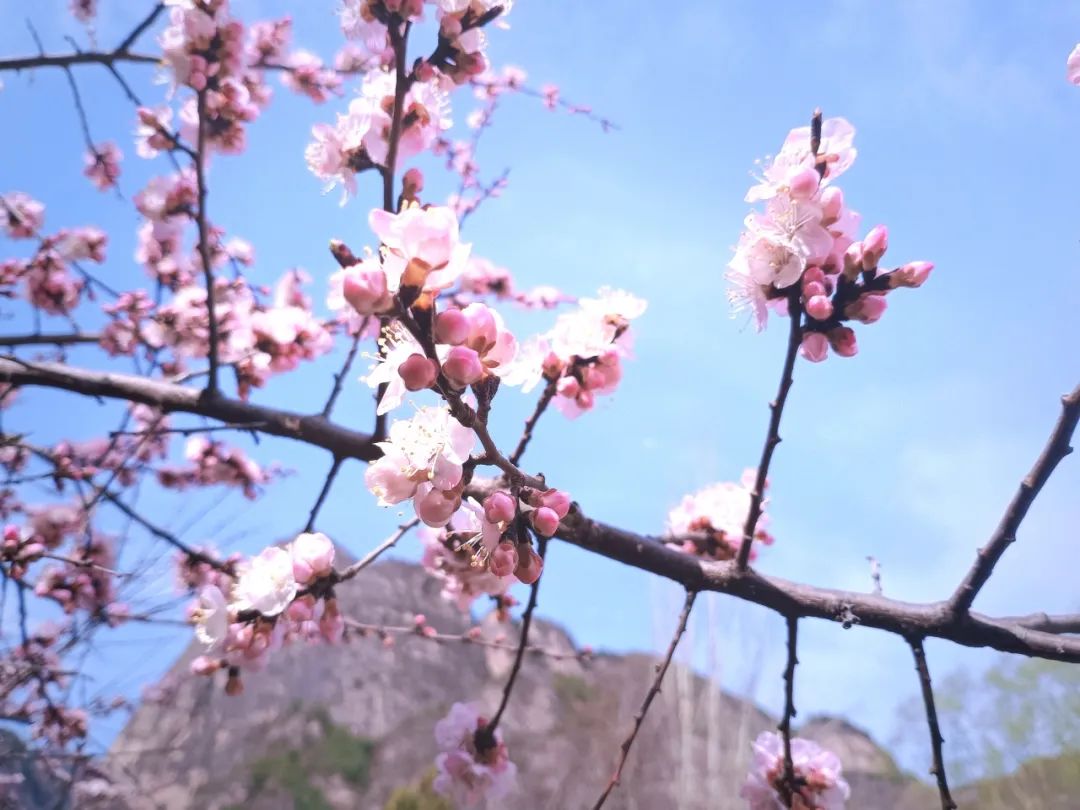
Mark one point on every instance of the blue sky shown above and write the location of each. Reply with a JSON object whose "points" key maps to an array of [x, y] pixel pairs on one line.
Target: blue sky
{"points": [[908, 452]]}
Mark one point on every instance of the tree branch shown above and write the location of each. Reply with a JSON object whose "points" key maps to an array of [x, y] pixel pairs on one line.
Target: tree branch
{"points": [[654, 690], [204, 245], [1057, 447], [530, 423], [788, 785], [936, 740]]}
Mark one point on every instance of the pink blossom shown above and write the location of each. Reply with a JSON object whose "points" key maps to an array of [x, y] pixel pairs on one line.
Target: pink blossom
{"points": [[266, 583], [472, 766], [312, 556], [818, 775], [153, 135], [842, 340], [422, 247], [398, 347], [102, 165], [1072, 66], [22, 215], [211, 618], [84, 10], [460, 556], [308, 76], [711, 520]]}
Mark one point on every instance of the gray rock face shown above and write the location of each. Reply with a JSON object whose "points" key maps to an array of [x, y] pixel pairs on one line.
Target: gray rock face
{"points": [[274, 746]]}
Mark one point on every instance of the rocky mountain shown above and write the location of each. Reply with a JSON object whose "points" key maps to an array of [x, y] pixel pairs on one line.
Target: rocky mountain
{"points": [[350, 726]]}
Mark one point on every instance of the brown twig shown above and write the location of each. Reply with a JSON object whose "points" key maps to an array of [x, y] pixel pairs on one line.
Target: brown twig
{"points": [[654, 690], [378, 551], [936, 740], [787, 785], [212, 388], [530, 423], [58, 339], [335, 466], [526, 623], [772, 438], [1057, 447]]}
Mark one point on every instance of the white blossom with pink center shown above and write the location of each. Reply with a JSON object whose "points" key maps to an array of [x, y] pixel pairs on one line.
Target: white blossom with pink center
{"points": [[458, 555], [713, 518], [467, 773], [818, 775], [211, 618], [422, 247], [266, 583]]}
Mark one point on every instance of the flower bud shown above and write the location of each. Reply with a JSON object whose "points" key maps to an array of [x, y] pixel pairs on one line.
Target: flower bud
{"points": [[815, 347], [832, 204], [874, 245], [504, 559], [435, 508], [842, 340], [556, 500], [451, 327], [804, 183], [418, 372], [498, 507], [819, 308], [867, 309], [529, 567], [545, 520], [912, 274], [462, 366], [365, 290]]}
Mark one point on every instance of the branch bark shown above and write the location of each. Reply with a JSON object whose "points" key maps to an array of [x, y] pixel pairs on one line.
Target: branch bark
{"points": [[936, 740]]}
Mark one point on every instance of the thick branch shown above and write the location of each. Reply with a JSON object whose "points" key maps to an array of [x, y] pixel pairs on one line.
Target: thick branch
{"points": [[654, 690], [772, 438], [936, 740], [69, 59], [1056, 449], [640, 551], [58, 339]]}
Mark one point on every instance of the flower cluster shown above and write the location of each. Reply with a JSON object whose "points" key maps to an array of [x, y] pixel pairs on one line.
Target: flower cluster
{"points": [[270, 600], [360, 139], [582, 354], [212, 462], [710, 522], [102, 165], [818, 783], [800, 254], [473, 764]]}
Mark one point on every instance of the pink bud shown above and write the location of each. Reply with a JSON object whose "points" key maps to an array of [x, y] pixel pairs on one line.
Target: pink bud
{"points": [[545, 520], [418, 372], [498, 507], [556, 500], [451, 327], [303, 609], [804, 183], [593, 377], [365, 290], [875, 244], [815, 347], [842, 339], [553, 367], [853, 260], [462, 366], [530, 566], [503, 560], [832, 203], [867, 309], [332, 623], [435, 508], [413, 181], [585, 400], [812, 288], [483, 330], [819, 308], [912, 274]]}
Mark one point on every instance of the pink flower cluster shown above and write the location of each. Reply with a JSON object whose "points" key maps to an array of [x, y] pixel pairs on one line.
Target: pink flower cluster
{"points": [[818, 780], [483, 551], [710, 522], [204, 49], [102, 165], [85, 581], [359, 139], [22, 217], [212, 462], [473, 764], [582, 355], [270, 601], [806, 236]]}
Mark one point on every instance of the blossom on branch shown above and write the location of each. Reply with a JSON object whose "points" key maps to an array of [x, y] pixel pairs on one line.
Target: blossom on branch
{"points": [[818, 783], [472, 765]]}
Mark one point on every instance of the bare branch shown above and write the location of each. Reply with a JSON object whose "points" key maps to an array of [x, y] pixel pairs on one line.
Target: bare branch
{"points": [[373, 555], [530, 423], [772, 438], [936, 740], [654, 690], [1057, 447], [204, 244], [788, 785], [58, 339]]}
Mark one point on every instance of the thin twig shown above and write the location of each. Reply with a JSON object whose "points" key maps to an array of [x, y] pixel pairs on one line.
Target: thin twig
{"points": [[138, 30], [323, 493], [377, 552], [526, 623], [339, 378], [787, 785], [58, 339], [654, 690], [530, 423], [936, 740], [772, 438], [1057, 447], [204, 244]]}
